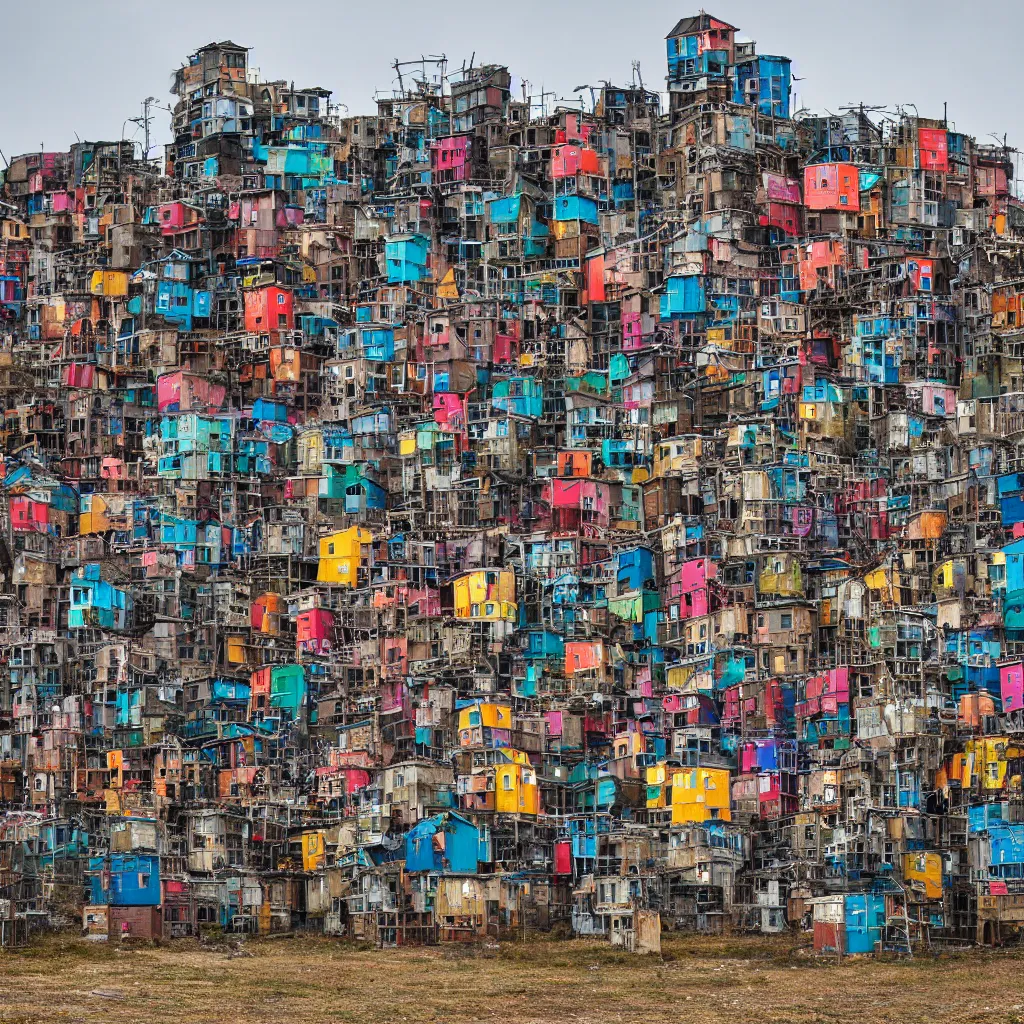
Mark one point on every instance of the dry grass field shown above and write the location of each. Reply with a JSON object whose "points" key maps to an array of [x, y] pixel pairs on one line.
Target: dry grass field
{"points": [[303, 981]]}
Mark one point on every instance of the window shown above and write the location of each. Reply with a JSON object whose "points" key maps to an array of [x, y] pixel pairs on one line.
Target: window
{"points": [[786, 620]]}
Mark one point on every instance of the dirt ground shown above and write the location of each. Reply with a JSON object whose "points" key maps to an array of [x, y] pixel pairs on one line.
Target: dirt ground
{"points": [[304, 981]]}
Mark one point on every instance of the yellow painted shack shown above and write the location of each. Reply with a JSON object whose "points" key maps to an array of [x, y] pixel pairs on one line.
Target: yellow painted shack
{"points": [[700, 794], [485, 594], [343, 555]]}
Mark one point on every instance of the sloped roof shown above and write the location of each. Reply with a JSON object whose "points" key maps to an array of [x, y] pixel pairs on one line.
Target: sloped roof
{"points": [[226, 44], [696, 23]]}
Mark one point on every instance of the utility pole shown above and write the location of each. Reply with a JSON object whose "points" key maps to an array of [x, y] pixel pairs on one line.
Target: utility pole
{"points": [[145, 117], [143, 123]]}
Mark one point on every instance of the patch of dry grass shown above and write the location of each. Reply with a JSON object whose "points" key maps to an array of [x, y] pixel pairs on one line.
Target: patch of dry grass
{"points": [[697, 980]]}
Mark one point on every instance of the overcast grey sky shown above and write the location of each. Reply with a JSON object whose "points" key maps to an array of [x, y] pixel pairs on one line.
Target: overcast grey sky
{"points": [[85, 65]]}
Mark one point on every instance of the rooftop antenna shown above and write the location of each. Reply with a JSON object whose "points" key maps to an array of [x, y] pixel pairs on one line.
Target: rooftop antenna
{"points": [[543, 101], [638, 78]]}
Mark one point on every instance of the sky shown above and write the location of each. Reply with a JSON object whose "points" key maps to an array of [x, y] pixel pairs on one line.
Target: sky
{"points": [[108, 55]]}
